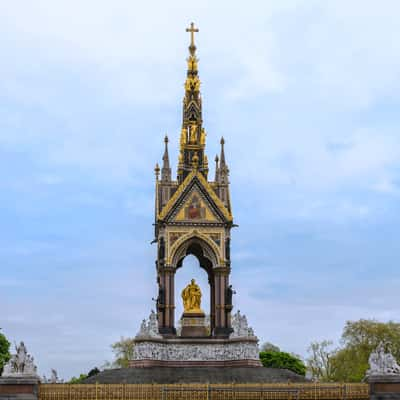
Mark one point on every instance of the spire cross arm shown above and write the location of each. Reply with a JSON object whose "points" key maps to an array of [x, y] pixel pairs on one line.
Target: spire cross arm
{"points": [[192, 30]]}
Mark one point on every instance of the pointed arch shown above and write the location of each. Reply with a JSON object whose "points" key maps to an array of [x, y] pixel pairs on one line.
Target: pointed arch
{"points": [[197, 244]]}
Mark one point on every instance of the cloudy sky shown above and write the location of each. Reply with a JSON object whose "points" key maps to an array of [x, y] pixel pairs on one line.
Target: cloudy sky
{"points": [[306, 94]]}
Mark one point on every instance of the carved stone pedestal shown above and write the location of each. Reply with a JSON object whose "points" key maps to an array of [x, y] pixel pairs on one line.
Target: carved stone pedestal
{"points": [[384, 387], [193, 325], [19, 388], [196, 352]]}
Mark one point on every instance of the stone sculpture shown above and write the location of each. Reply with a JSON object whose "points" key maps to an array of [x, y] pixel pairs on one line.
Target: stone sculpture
{"points": [[240, 326], [382, 362], [53, 378], [149, 328], [20, 364]]}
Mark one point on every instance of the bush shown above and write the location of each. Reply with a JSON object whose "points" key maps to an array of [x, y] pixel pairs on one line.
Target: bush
{"points": [[280, 359], [4, 351]]}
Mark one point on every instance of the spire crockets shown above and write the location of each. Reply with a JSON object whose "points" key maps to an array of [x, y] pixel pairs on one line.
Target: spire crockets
{"points": [[193, 135]]}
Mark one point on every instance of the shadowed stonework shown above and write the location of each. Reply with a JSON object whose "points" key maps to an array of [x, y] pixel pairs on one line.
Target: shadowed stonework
{"points": [[195, 375]]}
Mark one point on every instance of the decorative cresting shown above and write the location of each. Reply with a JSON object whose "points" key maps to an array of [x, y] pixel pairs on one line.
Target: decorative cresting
{"points": [[192, 214]]}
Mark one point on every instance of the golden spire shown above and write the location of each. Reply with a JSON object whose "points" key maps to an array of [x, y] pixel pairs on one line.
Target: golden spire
{"points": [[193, 135], [192, 30]]}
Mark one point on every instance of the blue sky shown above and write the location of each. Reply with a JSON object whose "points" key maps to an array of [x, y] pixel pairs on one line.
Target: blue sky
{"points": [[306, 94]]}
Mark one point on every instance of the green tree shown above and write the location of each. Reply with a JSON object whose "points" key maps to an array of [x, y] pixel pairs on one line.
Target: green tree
{"points": [[319, 362], [267, 346], [280, 359], [123, 351], [4, 351], [358, 340], [81, 378], [93, 371]]}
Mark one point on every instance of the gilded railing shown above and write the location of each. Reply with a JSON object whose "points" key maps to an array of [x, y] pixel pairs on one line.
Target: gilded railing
{"points": [[268, 391]]}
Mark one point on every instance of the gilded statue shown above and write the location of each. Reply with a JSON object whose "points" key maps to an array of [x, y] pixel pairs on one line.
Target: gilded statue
{"points": [[192, 84], [191, 297], [193, 133], [203, 137]]}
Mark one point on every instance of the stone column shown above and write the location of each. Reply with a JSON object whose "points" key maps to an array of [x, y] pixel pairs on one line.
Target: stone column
{"points": [[167, 311], [221, 279], [212, 303]]}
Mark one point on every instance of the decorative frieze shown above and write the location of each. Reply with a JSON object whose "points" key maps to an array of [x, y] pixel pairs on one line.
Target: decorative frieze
{"points": [[169, 350]]}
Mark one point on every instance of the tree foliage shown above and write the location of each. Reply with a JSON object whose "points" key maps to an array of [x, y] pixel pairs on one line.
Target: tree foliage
{"points": [[81, 378], [319, 362], [349, 362], [93, 371], [267, 346], [4, 351], [280, 359], [358, 340], [123, 351]]}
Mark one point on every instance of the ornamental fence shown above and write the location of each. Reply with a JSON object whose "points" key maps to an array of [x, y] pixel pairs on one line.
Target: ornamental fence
{"points": [[268, 391]]}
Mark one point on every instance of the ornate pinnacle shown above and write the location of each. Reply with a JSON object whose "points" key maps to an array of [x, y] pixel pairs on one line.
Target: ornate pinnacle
{"points": [[222, 158], [157, 171], [166, 170], [192, 30]]}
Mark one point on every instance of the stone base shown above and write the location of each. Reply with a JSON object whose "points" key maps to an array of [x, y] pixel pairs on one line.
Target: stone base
{"points": [[193, 325], [193, 375], [196, 352], [384, 387], [19, 388]]}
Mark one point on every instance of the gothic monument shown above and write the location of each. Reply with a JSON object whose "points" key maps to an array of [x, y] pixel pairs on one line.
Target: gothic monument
{"points": [[193, 216]]}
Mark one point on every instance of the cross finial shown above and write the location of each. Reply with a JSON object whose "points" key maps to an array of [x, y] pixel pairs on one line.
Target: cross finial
{"points": [[192, 30]]}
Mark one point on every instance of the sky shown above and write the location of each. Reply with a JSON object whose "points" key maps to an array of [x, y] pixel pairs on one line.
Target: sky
{"points": [[305, 93]]}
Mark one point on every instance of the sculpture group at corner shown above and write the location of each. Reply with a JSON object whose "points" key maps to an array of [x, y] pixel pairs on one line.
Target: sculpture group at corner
{"points": [[20, 364], [382, 362]]}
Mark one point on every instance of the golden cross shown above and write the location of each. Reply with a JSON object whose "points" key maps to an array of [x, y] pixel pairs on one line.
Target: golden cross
{"points": [[192, 30]]}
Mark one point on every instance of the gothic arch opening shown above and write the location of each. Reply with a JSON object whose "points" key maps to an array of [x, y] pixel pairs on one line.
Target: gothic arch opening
{"points": [[197, 246], [205, 257], [190, 269]]}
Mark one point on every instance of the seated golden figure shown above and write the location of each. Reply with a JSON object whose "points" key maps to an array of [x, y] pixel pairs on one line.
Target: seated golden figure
{"points": [[191, 297]]}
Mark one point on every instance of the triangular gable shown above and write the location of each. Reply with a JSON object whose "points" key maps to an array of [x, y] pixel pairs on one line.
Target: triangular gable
{"points": [[195, 201], [195, 208]]}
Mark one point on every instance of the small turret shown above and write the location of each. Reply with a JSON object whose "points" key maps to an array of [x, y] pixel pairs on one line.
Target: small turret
{"points": [[216, 179]]}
